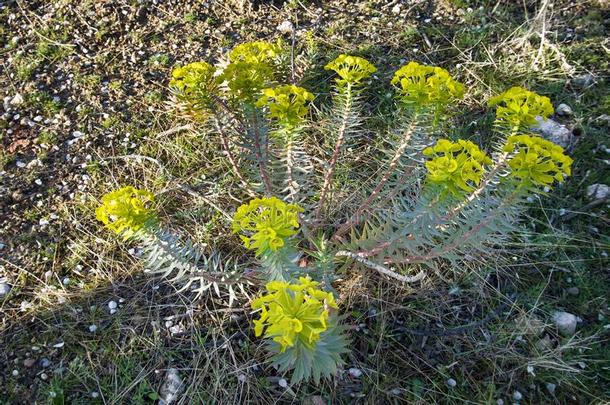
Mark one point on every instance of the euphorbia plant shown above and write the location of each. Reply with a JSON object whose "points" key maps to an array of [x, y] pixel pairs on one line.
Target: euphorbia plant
{"points": [[418, 198]]}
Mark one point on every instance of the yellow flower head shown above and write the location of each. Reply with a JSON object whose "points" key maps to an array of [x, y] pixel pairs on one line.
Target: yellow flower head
{"points": [[537, 161], [292, 313], [518, 107], [286, 103], [352, 70], [255, 52], [251, 68], [456, 165], [124, 211], [266, 223], [426, 86], [194, 78]]}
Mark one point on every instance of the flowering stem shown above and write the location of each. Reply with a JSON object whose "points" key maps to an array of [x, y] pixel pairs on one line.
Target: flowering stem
{"points": [[335, 157], [260, 152], [356, 218]]}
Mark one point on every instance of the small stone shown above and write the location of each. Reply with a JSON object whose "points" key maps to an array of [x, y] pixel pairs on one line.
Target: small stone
{"points": [[286, 27], [282, 383], [573, 291], [500, 402], [550, 387], [95, 394], [92, 328], [17, 99], [517, 396], [15, 373], [396, 9], [451, 383], [66, 281], [29, 362], [242, 378], [564, 110], [44, 363], [112, 305], [4, 289], [584, 81], [44, 376], [554, 131], [171, 388], [565, 322], [354, 372], [598, 191]]}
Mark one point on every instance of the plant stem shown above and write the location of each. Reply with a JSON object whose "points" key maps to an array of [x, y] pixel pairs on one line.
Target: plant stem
{"points": [[335, 156], [381, 269], [355, 219]]}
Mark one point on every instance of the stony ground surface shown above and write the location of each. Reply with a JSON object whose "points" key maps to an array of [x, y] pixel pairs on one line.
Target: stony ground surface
{"points": [[84, 81]]}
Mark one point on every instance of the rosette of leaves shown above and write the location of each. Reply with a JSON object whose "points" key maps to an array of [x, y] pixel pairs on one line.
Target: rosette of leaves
{"points": [[302, 327]]}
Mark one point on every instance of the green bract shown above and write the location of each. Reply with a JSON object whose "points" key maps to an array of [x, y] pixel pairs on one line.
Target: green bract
{"points": [[537, 161], [266, 223], [518, 108], [424, 86], [458, 166], [352, 70], [293, 313], [124, 211], [286, 103]]}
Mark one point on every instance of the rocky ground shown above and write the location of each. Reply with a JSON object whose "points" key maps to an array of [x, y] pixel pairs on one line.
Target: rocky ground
{"points": [[85, 82]]}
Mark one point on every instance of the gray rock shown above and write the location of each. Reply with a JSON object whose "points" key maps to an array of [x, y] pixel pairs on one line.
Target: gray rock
{"points": [[29, 362], [550, 387], [554, 132], [598, 191], [573, 291], [544, 344], [4, 289], [584, 81], [564, 110], [565, 322], [17, 99], [171, 388]]}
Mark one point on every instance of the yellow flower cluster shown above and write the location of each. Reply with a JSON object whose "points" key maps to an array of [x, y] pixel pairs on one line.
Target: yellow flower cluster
{"points": [[424, 86], [254, 52], [518, 107], [124, 211], [286, 103], [456, 165], [194, 79], [352, 70], [537, 161], [250, 69], [265, 223], [293, 312]]}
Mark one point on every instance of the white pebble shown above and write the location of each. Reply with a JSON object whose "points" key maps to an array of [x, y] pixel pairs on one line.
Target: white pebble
{"points": [[92, 328], [354, 372], [112, 305], [282, 383], [451, 383], [15, 373], [517, 396]]}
